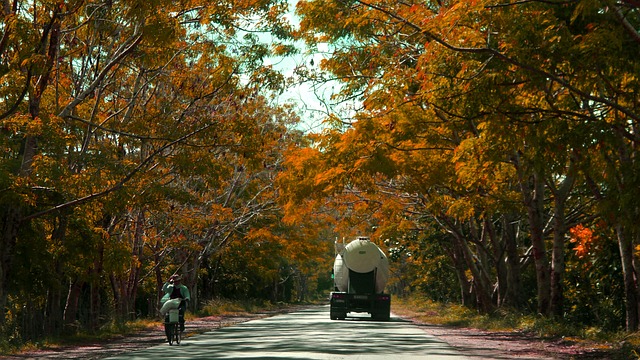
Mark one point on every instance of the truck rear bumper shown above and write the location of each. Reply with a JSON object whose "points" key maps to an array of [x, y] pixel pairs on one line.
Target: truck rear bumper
{"points": [[378, 305]]}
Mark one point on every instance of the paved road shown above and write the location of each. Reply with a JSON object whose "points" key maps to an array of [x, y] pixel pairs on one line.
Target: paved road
{"points": [[307, 334]]}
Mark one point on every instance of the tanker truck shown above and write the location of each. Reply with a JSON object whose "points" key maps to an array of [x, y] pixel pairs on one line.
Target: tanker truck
{"points": [[360, 273]]}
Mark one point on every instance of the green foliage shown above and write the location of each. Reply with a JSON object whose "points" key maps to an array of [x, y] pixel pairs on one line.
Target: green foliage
{"points": [[420, 265], [615, 344], [593, 284]]}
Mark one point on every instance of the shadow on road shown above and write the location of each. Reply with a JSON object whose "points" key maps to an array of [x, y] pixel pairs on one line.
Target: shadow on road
{"points": [[307, 334]]}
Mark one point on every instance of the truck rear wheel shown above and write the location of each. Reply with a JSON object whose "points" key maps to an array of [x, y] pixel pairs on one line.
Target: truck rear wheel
{"points": [[338, 316]]}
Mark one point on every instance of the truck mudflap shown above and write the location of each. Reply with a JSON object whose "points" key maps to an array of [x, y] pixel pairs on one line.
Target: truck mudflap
{"points": [[378, 305]]}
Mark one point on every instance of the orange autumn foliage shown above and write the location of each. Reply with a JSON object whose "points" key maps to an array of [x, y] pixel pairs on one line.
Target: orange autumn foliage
{"points": [[584, 239]]}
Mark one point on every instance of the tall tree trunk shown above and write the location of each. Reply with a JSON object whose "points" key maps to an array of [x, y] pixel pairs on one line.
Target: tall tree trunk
{"points": [[96, 303], [158, 274], [134, 273], [125, 288], [513, 295], [9, 223], [636, 268], [73, 297], [459, 264], [630, 278], [479, 237], [626, 227], [118, 287], [482, 288], [479, 286], [54, 315], [559, 231], [54, 308], [533, 192], [498, 258], [193, 277], [557, 264]]}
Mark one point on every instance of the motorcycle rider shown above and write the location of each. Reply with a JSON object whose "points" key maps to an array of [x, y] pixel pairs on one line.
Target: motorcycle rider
{"points": [[174, 289]]}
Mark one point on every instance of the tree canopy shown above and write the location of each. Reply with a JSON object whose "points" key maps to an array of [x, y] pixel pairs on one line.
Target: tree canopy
{"points": [[140, 140], [500, 128], [491, 145]]}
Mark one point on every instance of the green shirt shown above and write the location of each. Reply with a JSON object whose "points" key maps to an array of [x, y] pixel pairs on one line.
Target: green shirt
{"points": [[167, 288]]}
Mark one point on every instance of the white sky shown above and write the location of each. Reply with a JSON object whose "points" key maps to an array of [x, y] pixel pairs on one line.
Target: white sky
{"points": [[306, 97]]}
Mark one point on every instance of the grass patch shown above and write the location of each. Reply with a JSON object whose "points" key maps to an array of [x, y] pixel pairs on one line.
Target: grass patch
{"points": [[230, 307], [502, 319]]}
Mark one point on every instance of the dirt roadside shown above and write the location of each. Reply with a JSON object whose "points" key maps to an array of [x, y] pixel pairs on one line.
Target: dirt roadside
{"points": [[476, 344], [140, 340], [499, 345]]}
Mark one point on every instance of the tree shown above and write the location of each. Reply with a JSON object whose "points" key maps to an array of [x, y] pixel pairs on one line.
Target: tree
{"points": [[513, 95], [108, 110]]}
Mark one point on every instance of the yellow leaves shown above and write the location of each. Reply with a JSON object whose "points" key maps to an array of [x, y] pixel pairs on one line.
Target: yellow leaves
{"points": [[36, 63], [326, 178], [262, 235], [629, 80], [21, 184], [16, 123], [461, 208], [219, 213], [284, 49], [25, 124], [586, 8], [468, 161], [298, 213]]}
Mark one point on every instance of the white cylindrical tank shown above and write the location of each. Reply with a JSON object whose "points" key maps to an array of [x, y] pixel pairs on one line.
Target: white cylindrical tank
{"points": [[361, 256]]}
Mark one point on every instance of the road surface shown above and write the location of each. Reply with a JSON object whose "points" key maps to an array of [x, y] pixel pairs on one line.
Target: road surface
{"points": [[307, 334]]}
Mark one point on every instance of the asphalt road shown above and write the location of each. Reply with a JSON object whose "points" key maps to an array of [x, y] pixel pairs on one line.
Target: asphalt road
{"points": [[307, 334]]}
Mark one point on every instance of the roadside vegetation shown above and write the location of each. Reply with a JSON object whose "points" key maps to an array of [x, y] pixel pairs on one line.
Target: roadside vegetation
{"points": [[617, 344], [222, 308]]}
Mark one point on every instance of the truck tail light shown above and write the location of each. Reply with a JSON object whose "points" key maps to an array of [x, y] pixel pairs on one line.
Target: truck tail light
{"points": [[383, 297], [337, 296]]}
